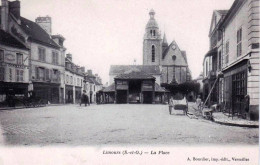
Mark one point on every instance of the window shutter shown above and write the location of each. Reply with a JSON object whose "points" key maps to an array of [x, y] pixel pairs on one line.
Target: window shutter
{"points": [[37, 72], [17, 75], [21, 74], [47, 74]]}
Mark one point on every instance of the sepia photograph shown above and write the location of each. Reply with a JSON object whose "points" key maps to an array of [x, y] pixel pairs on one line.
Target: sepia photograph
{"points": [[87, 81]]}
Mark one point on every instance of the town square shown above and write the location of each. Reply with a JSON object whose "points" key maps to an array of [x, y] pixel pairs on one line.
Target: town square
{"points": [[120, 124]]}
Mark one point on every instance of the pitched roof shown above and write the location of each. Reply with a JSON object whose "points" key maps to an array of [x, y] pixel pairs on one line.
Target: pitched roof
{"points": [[222, 12], [110, 88], [134, 74], [36, 33], [8, 40], [158, 88], [120, 69], [184, 55]]}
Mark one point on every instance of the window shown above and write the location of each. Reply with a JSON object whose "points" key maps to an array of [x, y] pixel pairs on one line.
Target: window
{"points": [[2, 73], [78, 82], [153, 32], [10, 74], [42, 55], [153, 53], [55, 57], [227, 52], [40, 73], [47, 74], [19, 58], [94, 88], [19, 75], [71, 80], [1, 55], [239, 42], [67, 79], [219, 61]]}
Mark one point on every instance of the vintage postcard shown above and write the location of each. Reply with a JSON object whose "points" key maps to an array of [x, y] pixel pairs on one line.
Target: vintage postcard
{"points": [[129, 82]]}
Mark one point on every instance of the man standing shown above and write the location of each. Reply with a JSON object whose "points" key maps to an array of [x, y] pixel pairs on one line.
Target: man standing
{"points": [[83, 98]]}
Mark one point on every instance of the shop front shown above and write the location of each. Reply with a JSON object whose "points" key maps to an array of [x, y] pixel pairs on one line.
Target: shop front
{"points": [[11, 90], [78, 94], [47, 92], [68, 94], [235, 89]]}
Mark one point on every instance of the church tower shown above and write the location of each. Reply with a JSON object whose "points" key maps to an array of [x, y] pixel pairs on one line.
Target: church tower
{"points": [[152, 44]]}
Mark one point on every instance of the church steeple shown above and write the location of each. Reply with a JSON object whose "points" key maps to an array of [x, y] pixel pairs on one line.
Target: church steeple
{"points": [[164, 43], [152, 46]]}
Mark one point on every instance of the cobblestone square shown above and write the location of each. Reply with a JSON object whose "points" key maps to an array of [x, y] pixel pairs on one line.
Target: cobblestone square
{"points": [[115, 124]]}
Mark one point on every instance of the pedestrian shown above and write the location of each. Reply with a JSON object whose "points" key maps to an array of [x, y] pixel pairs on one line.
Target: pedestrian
{"points": [[87, 100], [83, 98], [170, 105], [198, 102]]}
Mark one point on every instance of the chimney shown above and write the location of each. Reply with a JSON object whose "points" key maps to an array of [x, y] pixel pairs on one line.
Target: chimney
{"points": [[44, 23], [90, 72], [4, 15], [14, 8], [69, 56], [82, 69]]}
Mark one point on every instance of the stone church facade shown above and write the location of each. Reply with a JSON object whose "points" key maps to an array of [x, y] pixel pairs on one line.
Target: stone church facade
{"points": [[171, 59]]}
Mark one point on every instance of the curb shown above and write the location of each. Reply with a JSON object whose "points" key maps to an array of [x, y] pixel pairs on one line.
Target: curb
{"points": [[14, 108], [233, 124]]}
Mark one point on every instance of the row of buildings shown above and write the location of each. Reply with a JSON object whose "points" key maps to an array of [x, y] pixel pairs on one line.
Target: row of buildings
{"points": [[32, 59], [231, 66]]}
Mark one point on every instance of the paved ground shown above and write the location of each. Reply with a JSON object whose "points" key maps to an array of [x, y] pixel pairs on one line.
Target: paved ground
{"points": [[115, 124]]}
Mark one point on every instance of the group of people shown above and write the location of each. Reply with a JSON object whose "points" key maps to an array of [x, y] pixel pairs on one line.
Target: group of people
{"points": [[84, 99]]}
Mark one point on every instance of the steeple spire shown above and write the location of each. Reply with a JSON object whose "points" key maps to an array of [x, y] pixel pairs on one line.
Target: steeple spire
{"points": [[164, 40]]}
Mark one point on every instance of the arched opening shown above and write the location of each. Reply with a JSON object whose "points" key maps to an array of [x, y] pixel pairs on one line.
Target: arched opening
{"points": [[153, 53]]}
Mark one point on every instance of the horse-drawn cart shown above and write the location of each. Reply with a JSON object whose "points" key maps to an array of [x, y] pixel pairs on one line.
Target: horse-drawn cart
{"points": [[178, 105]]}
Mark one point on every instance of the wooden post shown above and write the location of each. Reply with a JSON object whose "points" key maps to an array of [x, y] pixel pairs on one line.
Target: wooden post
{"points": [[141, 94], [153, 92], [127, 95], [115, 93]]}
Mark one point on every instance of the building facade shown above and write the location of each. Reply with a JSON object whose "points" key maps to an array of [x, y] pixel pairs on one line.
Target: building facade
{"points": [[237, 59], [74, 81]]}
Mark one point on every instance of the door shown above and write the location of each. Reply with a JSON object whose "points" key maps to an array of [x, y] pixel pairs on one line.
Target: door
{"points": [[148, 97], [239, 91], [121, 96]]}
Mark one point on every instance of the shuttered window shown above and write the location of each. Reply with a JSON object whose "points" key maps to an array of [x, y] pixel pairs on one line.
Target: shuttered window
{"points": [[41, 53], [19, 58], [239, 42]]}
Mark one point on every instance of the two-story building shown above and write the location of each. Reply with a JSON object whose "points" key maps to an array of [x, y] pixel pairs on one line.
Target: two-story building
{"points": [[240, 58], [211, 64], [231, 67], [47, 61], [74, 81]]}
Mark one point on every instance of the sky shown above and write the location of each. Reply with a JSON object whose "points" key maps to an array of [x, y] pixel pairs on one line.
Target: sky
{"points": [[100, 33]]}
